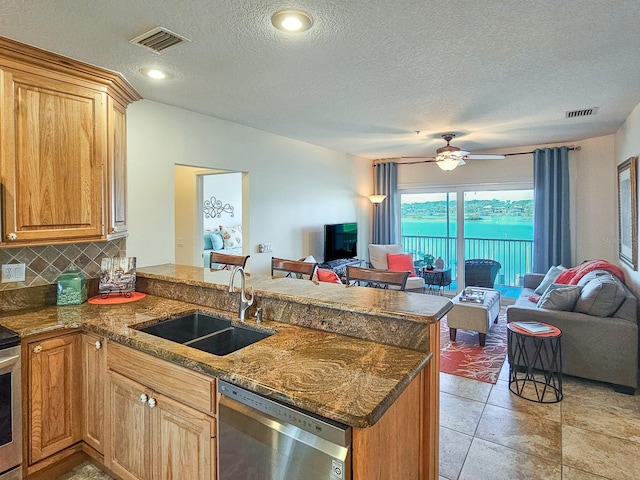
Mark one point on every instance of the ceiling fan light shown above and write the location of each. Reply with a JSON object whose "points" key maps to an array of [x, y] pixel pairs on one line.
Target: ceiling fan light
{"points": [[447, 164]]}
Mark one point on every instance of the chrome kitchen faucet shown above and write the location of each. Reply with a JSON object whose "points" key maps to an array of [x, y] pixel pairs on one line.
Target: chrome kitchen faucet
{"points": [[245, 302]]}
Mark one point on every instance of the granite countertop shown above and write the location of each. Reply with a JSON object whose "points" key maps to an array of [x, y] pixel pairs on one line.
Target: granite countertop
{"points": [[416, 307], [346, 379]]}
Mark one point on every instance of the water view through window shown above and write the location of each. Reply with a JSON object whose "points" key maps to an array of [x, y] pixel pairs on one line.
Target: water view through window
{"points": [[495, 224]]}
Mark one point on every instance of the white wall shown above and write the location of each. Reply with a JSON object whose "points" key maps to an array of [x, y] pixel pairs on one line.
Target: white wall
{"points": [[226, 188], [293, 188], [593, 186], [627, 144]]}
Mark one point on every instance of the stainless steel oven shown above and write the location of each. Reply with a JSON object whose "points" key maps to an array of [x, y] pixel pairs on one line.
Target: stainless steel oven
{"points": [[10, 407], [259, 439]]}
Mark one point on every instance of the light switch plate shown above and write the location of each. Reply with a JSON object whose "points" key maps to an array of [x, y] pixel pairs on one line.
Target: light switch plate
{"points": [[13, 272]]}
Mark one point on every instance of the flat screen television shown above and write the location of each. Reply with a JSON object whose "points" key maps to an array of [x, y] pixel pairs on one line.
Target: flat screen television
{"points": [[340, 241]]}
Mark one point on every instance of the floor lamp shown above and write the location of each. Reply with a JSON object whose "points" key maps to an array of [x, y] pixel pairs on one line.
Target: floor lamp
{"points": [[376, 200]]}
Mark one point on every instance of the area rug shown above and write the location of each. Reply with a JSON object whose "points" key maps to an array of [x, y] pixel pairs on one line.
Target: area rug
{"points": [[466, 358]]}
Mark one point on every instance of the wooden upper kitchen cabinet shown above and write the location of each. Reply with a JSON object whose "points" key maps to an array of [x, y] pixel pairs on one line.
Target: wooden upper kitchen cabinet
{"points": [[62, 149], [52, 395]]}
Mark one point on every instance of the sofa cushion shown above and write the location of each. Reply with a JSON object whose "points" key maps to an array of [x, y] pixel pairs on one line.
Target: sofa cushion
{"points": [[207, 245], [216, 240], [560, 297], [231, 236], [378, 254], [325, 275], [401, 262], [601, 296], [549, 278]]}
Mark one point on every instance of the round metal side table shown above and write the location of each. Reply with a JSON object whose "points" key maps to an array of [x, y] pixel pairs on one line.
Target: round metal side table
{"points": [[535, 364]]}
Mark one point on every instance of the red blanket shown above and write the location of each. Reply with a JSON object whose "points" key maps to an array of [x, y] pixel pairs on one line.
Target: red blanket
{"points": [[571, 276]]}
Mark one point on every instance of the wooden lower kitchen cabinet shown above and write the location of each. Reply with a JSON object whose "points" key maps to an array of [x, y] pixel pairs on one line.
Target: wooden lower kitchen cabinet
{"points": [[52, 386], [94, 370], [153, 436]]}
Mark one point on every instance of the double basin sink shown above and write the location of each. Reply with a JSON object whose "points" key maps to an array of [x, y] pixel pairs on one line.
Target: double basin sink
{"points": [[205, 332]]}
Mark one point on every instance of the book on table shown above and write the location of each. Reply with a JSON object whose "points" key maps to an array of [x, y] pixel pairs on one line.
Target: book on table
{"points": [[533, 327]]}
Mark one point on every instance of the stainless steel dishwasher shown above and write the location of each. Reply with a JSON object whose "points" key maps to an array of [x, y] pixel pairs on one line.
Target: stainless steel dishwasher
{"points": [[260, 439]]}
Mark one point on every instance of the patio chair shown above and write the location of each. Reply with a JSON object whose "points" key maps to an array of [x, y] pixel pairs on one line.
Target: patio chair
{"points": [[481, 272]]}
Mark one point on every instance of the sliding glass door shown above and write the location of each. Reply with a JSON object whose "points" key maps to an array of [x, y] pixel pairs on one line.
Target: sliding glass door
{"points": [[468, 223]]}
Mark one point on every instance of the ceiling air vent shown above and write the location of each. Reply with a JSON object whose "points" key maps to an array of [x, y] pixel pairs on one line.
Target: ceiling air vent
{"points": [[585, 112], [159, 39]]}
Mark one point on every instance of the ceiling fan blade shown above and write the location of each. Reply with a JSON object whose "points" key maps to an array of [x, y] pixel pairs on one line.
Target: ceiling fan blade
{"points": [[422, 157], [487, 156]]}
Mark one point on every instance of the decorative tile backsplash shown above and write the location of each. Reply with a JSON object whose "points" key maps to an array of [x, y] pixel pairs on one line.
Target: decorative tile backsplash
{"points": [[44, 264]]}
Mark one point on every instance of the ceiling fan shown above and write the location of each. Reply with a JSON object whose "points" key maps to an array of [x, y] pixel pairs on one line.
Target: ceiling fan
{"points": [[450, 157]]}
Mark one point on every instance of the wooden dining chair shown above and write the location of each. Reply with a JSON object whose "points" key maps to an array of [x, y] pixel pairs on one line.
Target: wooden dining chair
{"points": [[227, 261], [293, 268], [371, 277]]}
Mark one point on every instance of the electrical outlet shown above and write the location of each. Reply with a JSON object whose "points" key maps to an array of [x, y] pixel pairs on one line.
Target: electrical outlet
{"points": [[13, 272]]}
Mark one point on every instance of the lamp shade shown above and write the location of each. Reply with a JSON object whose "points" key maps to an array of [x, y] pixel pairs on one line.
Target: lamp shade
{"points": [[449, 163], [377, 199]]}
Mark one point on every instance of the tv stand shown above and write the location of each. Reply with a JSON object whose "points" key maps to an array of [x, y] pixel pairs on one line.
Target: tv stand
{"points": [[340, 266]]}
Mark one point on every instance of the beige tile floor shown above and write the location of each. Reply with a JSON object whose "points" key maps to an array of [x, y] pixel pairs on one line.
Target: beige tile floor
{"points": [[487, 433]]}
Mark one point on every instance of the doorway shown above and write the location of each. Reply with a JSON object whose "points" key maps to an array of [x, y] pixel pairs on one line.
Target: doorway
{"points": [[206, 199]]}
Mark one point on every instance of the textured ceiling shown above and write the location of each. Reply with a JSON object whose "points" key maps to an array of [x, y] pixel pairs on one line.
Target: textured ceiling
{"points": [[369, 73]]}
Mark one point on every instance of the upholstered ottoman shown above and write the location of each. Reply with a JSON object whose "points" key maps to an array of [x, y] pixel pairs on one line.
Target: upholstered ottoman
{"points": [[474, 316]]}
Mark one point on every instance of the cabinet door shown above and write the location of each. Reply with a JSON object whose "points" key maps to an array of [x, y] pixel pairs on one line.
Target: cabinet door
{"points": [[53, 159], [54, 399], [128, 452], [117, 170], [182, 441], [94, 370]]}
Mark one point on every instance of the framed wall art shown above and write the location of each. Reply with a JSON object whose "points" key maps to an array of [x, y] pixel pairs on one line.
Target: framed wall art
{"points": [[627, 212]]}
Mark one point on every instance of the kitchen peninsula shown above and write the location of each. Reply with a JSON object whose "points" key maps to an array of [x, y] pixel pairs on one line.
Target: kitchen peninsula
{"points": [[364, 357]]}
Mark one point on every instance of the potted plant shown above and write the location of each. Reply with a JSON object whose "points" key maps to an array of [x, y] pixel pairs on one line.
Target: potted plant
{"points": [[428, 261]]}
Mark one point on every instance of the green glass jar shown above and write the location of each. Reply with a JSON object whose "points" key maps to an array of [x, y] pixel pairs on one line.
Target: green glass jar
{"points": [[72, 286]]}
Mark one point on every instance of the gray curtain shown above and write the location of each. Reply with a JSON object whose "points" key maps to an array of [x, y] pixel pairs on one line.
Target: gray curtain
{"points": [[551, 240], [385, 220]]}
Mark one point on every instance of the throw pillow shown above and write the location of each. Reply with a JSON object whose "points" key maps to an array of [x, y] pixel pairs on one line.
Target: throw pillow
{"points": [[231, 236], [207, 245], [216, 240], [601, 296], [548, 279], [329, 276], [560, 297], [401, 262]]}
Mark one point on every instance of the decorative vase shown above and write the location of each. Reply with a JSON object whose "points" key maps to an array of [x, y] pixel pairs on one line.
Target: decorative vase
{"points": [[72, 286]]}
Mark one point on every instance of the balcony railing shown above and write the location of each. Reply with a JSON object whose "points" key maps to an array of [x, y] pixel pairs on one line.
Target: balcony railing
{"points": [[514, 255]]}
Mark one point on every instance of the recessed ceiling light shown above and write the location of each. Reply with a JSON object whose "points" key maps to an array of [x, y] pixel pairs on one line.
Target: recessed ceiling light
{"points": [[291, 21], [154, 73]]}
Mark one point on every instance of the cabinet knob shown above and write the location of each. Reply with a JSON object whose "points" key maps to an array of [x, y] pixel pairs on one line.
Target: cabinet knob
{"points": [[98, 345], [152, 402], [144, 398], [37, 349], [12, 236]]}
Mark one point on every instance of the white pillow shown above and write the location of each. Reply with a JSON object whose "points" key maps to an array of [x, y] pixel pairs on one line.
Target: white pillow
{"points": [[549, 278], [231, 236]]}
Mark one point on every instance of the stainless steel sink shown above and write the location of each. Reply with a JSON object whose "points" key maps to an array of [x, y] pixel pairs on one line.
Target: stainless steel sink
{"points": [[205, 332], [229, 340]]}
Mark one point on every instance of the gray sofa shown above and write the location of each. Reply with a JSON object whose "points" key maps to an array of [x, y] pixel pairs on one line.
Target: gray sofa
{"points": [[597, 348]]}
